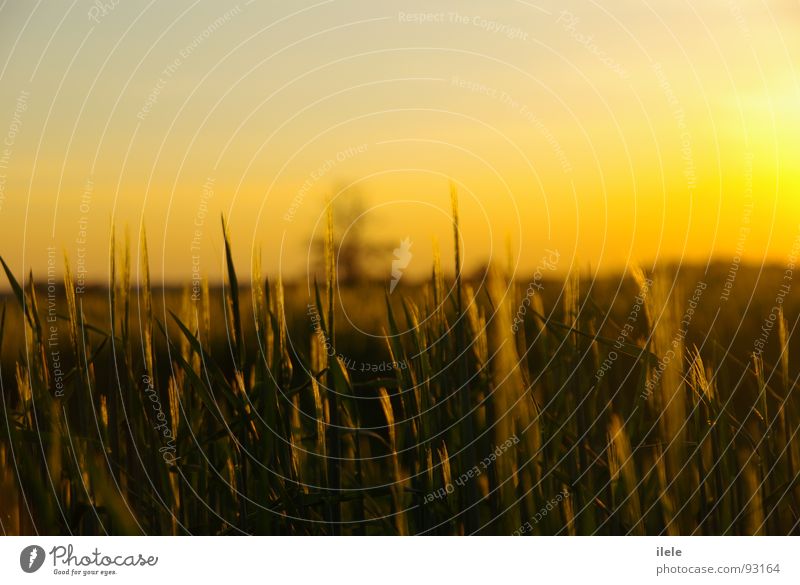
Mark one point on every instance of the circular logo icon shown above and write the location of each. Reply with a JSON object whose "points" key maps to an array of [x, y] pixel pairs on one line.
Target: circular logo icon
{"points": [[31, 558]]}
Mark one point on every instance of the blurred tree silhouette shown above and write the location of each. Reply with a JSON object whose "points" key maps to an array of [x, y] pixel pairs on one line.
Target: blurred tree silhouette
{"points": [[358, 259]]}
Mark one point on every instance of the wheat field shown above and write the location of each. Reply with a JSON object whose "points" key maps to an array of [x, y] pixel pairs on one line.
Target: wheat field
{"points": [[488, 407]]}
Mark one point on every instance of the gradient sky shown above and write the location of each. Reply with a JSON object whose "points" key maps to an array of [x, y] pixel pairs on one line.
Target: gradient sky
{"points": [[615, 132]]}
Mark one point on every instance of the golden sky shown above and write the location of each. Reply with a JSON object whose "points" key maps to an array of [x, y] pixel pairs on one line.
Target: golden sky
{"points": [[612, 132]]}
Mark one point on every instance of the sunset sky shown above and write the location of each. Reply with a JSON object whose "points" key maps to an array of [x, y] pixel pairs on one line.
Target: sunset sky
{"points": [[614, 133]]}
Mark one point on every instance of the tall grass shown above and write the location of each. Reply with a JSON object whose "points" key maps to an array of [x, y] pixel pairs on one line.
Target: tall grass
{"points": [[222, 416]]}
